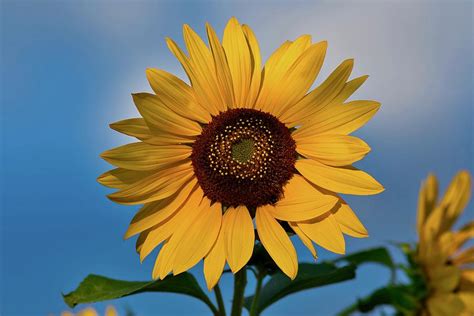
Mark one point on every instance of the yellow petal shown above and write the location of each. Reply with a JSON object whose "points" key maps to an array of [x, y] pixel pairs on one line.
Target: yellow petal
{"points": [[142, 157], [459, 238], [445, 305], [276, 242], [432, 227], [302, 201], [468, 229], [121, 178], [172, 224], [203, 64], [256, 65], [341, 119], [198, 239], [177, 95], [206, 97], [333, 150], [239, 237], [299, 78], [157, 186], [224, 77], [304, 239], [468, 300], [349, 88], [141, 240], [426, 200], [467, 280], [89, 311], [164, 262], [431, 253], [348, 221], [138, 128], [320, 97], [443, 245], [214, 262], [111, 311], [277, 66], [165, 138], [158, 234], [444, 278], [239, 59], [160, 118], [135, 127], [346, 180], [451, 206], [154, 213], [325, 232], [456, 198], [464, 257]]}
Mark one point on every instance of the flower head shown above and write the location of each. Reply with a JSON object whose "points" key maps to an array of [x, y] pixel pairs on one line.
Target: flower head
{"points": [[446, 267], [242, 143], [90, 311]]}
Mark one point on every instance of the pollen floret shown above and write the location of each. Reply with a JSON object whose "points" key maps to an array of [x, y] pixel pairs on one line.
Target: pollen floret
{"points": [[244, 157], [242, 150]]}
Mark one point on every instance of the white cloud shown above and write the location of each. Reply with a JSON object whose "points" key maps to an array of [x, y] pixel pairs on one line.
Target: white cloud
{"points": [[408, 49]]}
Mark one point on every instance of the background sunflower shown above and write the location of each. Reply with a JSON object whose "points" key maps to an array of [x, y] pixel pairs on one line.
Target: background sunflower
{"points": [[444, 253]]}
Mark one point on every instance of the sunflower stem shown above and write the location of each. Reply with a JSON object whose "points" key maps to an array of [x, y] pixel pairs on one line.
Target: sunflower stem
{"points": [[220, 301], [240, 281], [256, 296]]}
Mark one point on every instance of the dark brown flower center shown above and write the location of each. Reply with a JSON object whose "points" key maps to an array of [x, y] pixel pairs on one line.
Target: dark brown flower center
{"points": [[244, 157]]}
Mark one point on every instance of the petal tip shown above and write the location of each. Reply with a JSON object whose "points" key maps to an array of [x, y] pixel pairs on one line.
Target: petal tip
{"points": [[233, 20], [104, 155], [381, 189], [127, 234], [101, 177], [113, 125], [150, 72], [349, 62], [186, 27], [137, 96], [234, 268], [377, 105]]}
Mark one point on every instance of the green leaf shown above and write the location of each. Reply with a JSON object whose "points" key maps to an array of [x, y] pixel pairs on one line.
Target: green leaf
{"points": [[309, 276], [96, 288], [376, 255], [399, 296]]}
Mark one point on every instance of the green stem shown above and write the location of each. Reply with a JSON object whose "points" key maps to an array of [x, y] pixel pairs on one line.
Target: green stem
{"points": [[240, 281], [220, 302], [214, 310], [256, 296]]}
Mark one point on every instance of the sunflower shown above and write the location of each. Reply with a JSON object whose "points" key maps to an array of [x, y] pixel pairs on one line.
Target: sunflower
{"points": [[90, 311], [447, 269], [242, 143]]}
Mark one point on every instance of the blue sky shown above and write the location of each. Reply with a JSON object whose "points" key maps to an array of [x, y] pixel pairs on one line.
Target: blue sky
{"points": [[68, 68]]}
